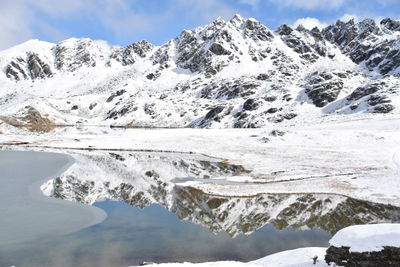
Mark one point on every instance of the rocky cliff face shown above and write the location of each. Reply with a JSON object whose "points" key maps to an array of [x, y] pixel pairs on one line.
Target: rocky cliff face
{"points": [[235, 73]]}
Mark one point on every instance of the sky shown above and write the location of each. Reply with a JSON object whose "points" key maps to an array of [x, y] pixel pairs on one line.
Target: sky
{"points": [[122, 22]]}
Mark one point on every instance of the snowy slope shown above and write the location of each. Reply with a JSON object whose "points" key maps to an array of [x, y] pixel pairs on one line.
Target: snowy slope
{"points": [[235, 73]]}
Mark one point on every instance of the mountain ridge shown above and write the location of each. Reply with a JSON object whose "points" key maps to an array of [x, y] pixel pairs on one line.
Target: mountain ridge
{"points": [[235, 73]]}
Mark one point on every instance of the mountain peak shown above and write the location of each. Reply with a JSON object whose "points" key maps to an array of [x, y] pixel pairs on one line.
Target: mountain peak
{"points": [[219, 21], [237, 20]]}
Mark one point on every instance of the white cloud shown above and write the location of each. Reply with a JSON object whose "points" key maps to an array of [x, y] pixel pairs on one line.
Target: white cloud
{"points": [[21, 20], [206, 10], [309, 23], [310, 4], [12, 32], [347, 17]]}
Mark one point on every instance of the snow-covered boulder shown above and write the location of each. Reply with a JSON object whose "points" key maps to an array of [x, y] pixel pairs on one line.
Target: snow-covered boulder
{"points": [[366, 245]]}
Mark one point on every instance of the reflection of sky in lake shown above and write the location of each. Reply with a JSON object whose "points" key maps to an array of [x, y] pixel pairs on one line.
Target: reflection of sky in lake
{"points": [[130, 236]]}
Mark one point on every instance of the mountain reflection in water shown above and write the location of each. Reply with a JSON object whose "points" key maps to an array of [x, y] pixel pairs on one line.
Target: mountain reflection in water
{"points": [[142, 179]]}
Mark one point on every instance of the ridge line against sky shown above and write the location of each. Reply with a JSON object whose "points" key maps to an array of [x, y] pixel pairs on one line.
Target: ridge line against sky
{"points": [[122, 22]]}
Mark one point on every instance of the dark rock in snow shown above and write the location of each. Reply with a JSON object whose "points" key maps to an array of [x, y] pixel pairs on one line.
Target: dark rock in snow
{"points": [[250, 104], [322, 88], [219, 50], [364, 91], [213, 113], [389, 256]]}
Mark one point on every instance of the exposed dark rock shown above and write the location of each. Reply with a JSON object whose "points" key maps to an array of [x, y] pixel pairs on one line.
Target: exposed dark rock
{"points": [[383, 108], [114, 95], [284, 30], [153, 76], [213, 113], [117, 156], [277, 133], [115, 113], [219, 50], [128, 55], [34, 66], [37, 68], [362, 91], [322, 88], [389, 256], [270, 98], [250, 104], [309, 44], [92, 106], [14, 71], [229, 89], [139, 49], [354, 106], [359, 42], [71, 55], [390, 24], [149, 109], [272, 110], [263, 77], [289, 116], [374, 100]]}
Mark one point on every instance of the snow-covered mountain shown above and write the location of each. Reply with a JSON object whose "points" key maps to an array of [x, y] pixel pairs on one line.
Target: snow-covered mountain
{"points": [[235, 73]]}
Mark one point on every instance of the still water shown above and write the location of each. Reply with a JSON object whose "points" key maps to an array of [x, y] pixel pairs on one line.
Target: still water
{"points": [[131, 236]]}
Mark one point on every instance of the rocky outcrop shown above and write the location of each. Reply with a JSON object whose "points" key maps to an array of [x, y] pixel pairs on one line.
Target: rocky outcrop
{"points": [[323, 88], [130, 54], [389, 256], [15, 71], [309, 44], [73, 54], [31, 67], [32, 121], [229, 89], [211, 48], [366, 42], [376, 96]]}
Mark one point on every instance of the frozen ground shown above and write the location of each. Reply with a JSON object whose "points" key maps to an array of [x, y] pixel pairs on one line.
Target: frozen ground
{"points": [[356, 156]]}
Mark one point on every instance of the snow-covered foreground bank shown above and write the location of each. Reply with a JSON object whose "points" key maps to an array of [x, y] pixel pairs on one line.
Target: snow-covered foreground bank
{"points": [[360, 238], [367, 238], [356, 156], [301, 257]]}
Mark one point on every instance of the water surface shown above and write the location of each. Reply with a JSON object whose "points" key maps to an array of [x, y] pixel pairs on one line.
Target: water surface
{"points": [[131, 236]]}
